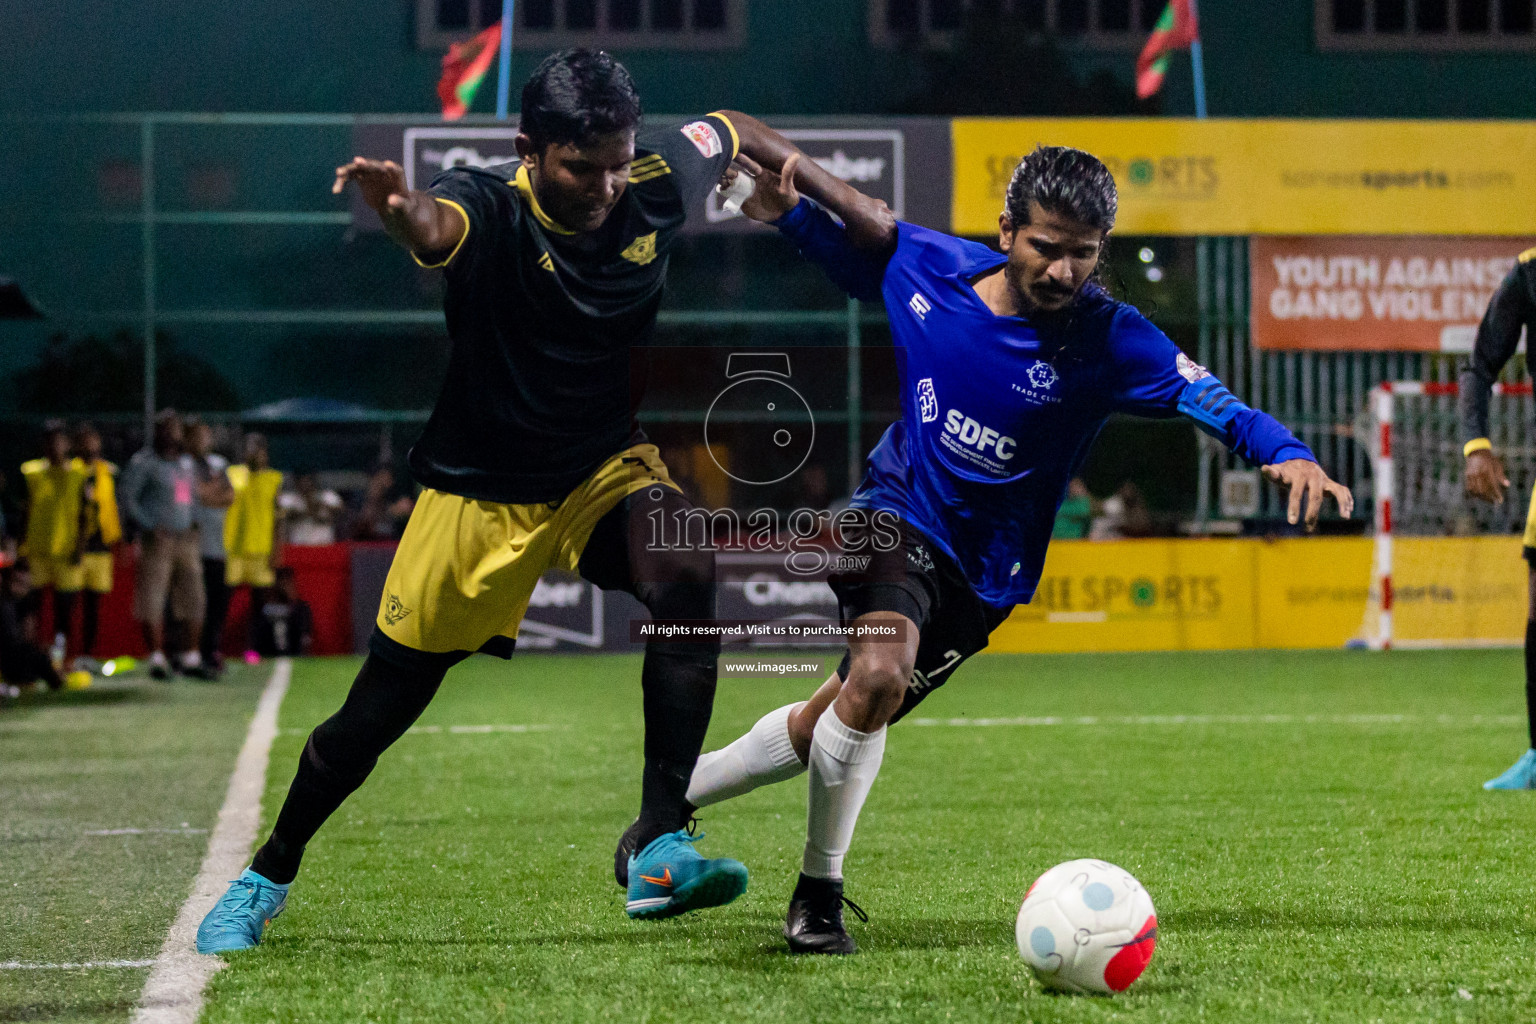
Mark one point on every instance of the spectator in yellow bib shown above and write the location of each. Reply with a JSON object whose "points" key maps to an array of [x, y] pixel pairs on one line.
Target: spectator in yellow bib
{"points": [[54, 485], [101, 527], [250, 527]]}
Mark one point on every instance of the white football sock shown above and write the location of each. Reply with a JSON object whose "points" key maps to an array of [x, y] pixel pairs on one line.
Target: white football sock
{"points": [[763, 755], [844, 763]]}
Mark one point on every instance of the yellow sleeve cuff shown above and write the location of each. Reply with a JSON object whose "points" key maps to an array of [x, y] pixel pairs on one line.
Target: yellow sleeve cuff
{"points": [[735, 138], [459, 245], [1477, 444]]}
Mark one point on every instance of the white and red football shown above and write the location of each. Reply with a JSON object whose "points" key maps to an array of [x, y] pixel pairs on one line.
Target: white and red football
{"points": [[1087, 926]]}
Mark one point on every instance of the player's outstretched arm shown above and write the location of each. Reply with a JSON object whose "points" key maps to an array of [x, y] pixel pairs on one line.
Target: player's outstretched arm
{"points": [[1309, 487], [775, 200], [412, 218], [870, 224], [1260, 439]]}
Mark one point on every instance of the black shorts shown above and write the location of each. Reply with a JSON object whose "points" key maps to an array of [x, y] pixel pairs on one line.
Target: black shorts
{"points": [[919, 581]]}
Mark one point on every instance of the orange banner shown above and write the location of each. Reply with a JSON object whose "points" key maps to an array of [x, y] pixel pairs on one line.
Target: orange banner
{"points": [[1374, 293]]}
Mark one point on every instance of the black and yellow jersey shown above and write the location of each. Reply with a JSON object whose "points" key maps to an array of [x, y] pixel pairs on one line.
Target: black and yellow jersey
{"points": [[1512, 308], [539, 390], [100, 522]]}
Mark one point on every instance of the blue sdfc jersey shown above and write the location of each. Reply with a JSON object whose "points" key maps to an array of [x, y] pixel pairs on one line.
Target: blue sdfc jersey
{"points": [[998, 412]]}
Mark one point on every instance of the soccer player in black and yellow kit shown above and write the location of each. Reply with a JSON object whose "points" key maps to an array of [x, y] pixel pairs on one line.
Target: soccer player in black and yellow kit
{"points": [[101, 528], [54, 487], [532, 458], [1513, 307]]}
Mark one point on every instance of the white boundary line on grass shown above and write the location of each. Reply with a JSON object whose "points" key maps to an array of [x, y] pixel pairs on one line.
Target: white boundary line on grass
{"points": [[174, 992], [18, 965], [1048, 720]]}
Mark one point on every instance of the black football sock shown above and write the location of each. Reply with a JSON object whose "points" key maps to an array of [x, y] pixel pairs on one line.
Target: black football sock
{"points": [[679, 684], [1530, 679], [678, 679], [384, 701], [63, 611], [90, 616]]}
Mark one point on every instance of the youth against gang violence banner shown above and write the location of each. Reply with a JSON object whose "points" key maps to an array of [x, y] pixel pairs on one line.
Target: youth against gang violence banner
{"points": [[1373, 293], [903, 161]]}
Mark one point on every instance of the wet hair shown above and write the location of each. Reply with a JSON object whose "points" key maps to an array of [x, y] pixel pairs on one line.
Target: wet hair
{"points": [[576, 95], [1064, 181]]}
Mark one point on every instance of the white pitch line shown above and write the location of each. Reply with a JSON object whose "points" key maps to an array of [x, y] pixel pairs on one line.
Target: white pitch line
{"points": [[1046, 720], [174, 992], [456, 730], [18, 965]]}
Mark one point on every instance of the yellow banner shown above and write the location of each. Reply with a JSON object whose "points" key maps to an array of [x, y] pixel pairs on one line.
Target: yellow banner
{"points": [[1272, 177], [1186, 595], [1138, 595]]}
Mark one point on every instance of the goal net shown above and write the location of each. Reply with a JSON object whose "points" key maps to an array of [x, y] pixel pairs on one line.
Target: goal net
{"points": [[1445, 569]]}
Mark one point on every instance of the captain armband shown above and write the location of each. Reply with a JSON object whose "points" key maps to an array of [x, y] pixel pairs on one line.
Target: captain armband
{"points": [[1213, 408]]}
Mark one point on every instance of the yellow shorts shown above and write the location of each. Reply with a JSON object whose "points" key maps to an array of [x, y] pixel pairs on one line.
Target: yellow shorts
{"points": [[93, 572], [96, 572], [253, 569], [465, 569], [1530, 526], [59, 573]]}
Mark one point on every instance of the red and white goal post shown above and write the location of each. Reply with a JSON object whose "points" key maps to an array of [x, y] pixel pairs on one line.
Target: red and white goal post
{"points": [[1416, 450]]}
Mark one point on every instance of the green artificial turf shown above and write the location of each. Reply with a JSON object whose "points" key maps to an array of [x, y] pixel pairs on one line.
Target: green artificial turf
{"points": [[125, 754], [1335, 861]]}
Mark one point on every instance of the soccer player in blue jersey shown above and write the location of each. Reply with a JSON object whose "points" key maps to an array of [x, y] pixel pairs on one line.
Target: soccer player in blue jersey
{"points": [[1010, 363]]}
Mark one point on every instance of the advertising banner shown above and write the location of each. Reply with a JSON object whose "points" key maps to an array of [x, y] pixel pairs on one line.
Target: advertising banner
{"points": [[903, 161], [1132, 595], [1374, 293], [1272, 176], [1164, 595]]}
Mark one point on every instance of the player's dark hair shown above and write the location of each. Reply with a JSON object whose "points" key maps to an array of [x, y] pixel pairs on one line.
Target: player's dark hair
{"points": [[84, 429], [1064, 181], [575, 95], [165, 421], [52, 429]]}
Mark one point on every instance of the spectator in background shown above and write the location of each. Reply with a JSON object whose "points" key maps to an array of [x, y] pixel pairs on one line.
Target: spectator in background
{"points": [[309, 513], [22, 659], [157, 495], [7, 517], [1075, 513], [100, 529], [284, 625], [1122, 514], [386, 507], [250, 530], [52, 547], [213, 497]]}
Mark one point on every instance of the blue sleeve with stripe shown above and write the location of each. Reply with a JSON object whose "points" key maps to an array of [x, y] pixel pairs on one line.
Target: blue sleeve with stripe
{"points": [[823, 241], [1158, 380]]}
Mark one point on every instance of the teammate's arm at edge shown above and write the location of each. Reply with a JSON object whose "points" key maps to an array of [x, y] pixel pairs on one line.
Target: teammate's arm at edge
{"points": [[1498, 335]]}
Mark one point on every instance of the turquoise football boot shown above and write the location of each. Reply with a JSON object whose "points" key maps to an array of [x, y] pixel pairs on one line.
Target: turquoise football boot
{"points": [[669, 877], [242, 913], [1521, 774]]}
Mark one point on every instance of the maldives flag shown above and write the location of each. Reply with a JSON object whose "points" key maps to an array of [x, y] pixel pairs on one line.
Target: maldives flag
{"points": [[464, 68], [1175, 30]]}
